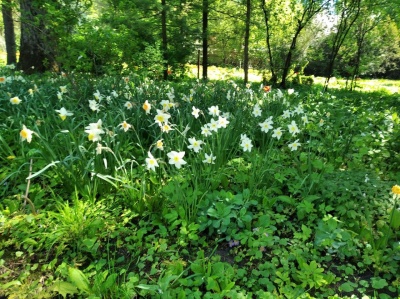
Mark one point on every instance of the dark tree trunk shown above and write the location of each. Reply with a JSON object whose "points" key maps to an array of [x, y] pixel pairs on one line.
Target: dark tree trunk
{"points": [[363, 30], [288, 61], [311, 9], [35, 55], [9, 32], [246, 42], [164, 38], [348, 16], [205, 39], [268, 40]]}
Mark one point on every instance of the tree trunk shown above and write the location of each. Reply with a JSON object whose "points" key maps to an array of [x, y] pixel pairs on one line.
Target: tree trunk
{"points": [[274, 77], [246, 42], [9, 32], [348, 16], [34, 53], [205, 39], [164, 38], [288, 61]]}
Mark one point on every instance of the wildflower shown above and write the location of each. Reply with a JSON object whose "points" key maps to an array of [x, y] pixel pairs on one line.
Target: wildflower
{"points": [[299, 110], [256, 110], [15, 101], [166, 105], [213, 125], [19, 78], [209, 159], [286, 114], [63, 113], [59, 96], [11, 157], [160, 144], [161, 117], [195, 145], [227, 115], [128, 105], [63, 89], [114, 94], [233, 243], [213, 111], [93, 105], [205, 130], [95, 130], [97, 95], [304, 118], [321, 122], [176, 158], [125, 126], [151, 162], [171, 95], [396, 189], [266, 125], [294, 145], [267, 88], [222, 122], [30, 91], [146, 107], [293, 129], [243, 137], [2, 79], [246, 145], [277, 133], [26, 134], [195, 112], [99, 148], [290, 91], [166, 128]]}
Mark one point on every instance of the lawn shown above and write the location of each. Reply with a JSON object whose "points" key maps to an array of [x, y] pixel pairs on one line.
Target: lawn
{"points": [[130, 187]]}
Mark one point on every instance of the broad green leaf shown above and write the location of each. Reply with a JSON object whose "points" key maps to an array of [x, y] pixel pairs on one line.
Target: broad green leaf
{"points": [[348, 286], [64, 288], [378, 283], [79, 279]]}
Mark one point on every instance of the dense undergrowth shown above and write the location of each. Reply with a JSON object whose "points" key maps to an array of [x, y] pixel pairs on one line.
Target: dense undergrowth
{"points": [[123, 187]]}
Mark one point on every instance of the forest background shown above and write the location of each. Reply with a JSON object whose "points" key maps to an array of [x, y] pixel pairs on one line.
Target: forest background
{"points": [[278, 38]]}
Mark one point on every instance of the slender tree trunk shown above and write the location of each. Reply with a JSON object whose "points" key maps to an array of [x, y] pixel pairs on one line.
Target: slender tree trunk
{"points": [[246, 42], [347, 18], [9, 32], [164, 38], [362, 32], [288, 61], [34, 53], [274, 77], [205, 39], [360, 46]]}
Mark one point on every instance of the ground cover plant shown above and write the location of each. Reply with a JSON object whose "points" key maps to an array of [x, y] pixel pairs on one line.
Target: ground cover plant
{"points": [[125, 187]]}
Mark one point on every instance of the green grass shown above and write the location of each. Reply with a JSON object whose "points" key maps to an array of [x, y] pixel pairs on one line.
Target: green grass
{"points": [[87, 218]]}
